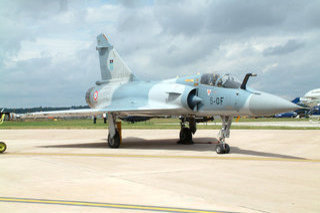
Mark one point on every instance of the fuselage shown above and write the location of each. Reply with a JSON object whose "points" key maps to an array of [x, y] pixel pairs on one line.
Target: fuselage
{"points": [[190, 95]]}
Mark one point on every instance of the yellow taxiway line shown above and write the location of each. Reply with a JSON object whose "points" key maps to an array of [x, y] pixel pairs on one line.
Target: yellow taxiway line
{"points": [[244, 158], [104, 205]]}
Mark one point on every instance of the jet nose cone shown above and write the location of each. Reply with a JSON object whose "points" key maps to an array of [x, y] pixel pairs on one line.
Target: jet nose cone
{"points": [[267, 104]]}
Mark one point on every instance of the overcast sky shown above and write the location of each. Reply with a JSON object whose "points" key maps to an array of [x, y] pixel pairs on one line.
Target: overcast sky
{"points": [[48, 56]]}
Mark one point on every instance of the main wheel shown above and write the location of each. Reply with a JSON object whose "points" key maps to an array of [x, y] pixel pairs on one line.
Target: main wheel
{"points": [[185, 136], [114, 142], [3, 147]]}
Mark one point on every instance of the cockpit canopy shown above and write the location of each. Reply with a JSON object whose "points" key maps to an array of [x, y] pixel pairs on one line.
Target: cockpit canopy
{"points": [[226, 80]]}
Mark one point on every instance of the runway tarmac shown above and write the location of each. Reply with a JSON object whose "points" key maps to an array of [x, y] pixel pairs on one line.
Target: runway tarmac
{"points": [[292, 124], [75, 171]]}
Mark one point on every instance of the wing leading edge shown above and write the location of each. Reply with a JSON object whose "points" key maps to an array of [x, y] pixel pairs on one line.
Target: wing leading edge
{"points": [[148, 110]]}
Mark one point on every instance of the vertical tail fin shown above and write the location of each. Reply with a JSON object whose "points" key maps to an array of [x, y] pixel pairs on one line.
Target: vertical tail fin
{"points": [[111, 64]]}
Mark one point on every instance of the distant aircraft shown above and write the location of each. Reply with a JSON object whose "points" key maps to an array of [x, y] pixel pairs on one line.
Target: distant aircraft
{"points": [[311, 98], [194, 98], [286, 115], [302, 112]]}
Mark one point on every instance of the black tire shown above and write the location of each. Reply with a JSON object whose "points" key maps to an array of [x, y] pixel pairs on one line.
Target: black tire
{"points": [[227, 148], [220, 149], [185, 136], [3, 147], [114, 142]]}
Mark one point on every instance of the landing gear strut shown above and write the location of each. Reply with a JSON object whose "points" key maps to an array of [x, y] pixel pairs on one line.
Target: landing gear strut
{"points": [[114, 136], [185, 132], [223, 147]]}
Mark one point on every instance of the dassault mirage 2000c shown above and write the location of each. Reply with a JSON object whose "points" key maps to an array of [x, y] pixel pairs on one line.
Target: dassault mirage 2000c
{"points": [[194, 98]]}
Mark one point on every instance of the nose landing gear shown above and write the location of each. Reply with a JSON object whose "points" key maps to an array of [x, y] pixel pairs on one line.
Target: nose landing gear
{"points": [[223, 147]]}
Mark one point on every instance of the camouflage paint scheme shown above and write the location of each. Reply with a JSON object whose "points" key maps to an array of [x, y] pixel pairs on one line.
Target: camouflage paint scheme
{"points": [[121, 93]]}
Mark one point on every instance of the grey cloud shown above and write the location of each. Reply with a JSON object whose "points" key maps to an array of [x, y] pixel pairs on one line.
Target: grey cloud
{"points": [[193, 51], [41, 81], [159, 40], [135, 20], [133, 4], [289, 80], [63, 5], [238, 16], [19, 21], [30, 9], [231, 17], [302, 16], [180, 18], [290, 46]]}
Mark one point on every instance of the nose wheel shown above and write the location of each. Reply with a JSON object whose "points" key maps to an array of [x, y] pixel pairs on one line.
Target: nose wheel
{"points": [[222, 148], [3, 147]]}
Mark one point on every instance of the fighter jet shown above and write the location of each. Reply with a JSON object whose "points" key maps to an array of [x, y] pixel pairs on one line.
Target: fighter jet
{"points": [[193, 98]]}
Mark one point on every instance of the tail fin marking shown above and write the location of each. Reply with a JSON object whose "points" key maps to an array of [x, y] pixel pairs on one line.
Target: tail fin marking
{"points": [[112, 66]]}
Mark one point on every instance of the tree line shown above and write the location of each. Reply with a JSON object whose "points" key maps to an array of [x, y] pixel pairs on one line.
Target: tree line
{"points": [[41, 109]]}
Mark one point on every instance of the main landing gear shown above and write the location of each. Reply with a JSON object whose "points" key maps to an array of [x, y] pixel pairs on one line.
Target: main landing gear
{"points": [[186, 132], [114, 138], [222, 147]]}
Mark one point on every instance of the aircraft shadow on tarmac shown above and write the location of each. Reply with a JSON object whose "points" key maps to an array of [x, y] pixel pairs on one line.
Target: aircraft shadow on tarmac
{"points": [[200, 144]]}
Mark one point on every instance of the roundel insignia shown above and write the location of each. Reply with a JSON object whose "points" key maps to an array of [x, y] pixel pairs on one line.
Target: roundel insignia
{"points": [[95, 95], [209, 92]]}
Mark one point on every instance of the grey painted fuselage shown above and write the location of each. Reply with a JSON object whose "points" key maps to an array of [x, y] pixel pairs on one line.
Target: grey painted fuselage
{"points": [[194, 98], [121, 92], [170, 97]]}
